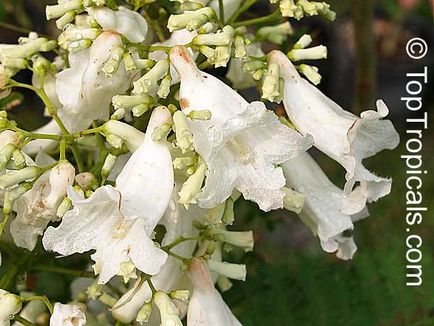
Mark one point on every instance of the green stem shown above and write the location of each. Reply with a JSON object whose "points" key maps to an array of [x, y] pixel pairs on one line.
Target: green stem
{"points": [[151, 286], [23, 321], [178, 241], [221, 12], [275, 16], [242, 9]]}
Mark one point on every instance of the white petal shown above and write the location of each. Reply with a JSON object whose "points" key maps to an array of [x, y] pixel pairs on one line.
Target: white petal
{"points": [[240, 143], [147, 179], [124, 21], [178, 222], [67, 315], [340, 134], [84, 90], [96, 223], [322, 211], [207, 307]]}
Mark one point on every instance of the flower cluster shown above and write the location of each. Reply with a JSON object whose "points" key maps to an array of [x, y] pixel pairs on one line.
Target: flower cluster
{"points": [[147, 152]]}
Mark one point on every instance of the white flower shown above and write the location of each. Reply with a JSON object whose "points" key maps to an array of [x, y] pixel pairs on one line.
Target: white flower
{"points": [[343, 136], [84, 91], [178, 222], [240, 143], [67, 315], [322, 211], [38, 207], [168, 310], [124, 21], [10, 305], [118, 222], [206, 307]]}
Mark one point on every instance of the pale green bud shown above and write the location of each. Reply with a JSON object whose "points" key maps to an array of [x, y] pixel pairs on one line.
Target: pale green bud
{"points": [[11, 179], [144, 313], [19, 157], [15, 63], [190, 20], [109, 163], [191, 187], [258, 74], [161, 132], [64, 207], [148, 82], [6, 153], [311, 73], [222, 56], [129, 63], [94, 291], [208, 52], [209, 27], [133, 138], [324, 9], [293, 200], [12, 195], [180, 295], [303, 42], [164, 88], [76, 46], [40, 65], [144, 63], [221, 38], [66, 19], [130, 101], [169, 313], [308, 7], [200, 115], [224, 283], [59, 10], [107, 299], [118, 114], [243, 239], [140, 109], [240, 47], [112, 65], [290, 9], [27, 50], [276, 34], [190, 6], [87, 180], [228, 215], [314, 53], [233, 271], [10, 304], [184, 138], [253, 65], [271, 85], [115, 141]]}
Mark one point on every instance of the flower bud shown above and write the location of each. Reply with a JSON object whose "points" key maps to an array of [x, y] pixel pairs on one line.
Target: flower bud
{"points": [[200, 115], [12, 195], [168, 310], [276, 34], [133, 138], [87, 181], [271, 85], [59, 10], [243, 239], [109, 163], [190, 20], [112, 65], [240, 47], [180, 295], [224, 283], [303, 42], [64, 206], [192, 186], [311, 73], [147, 84], [184, 138], [144, 313], [293, 200], [180, 163], [314, 53], [66, 19], [10, 305], [127, 271], [233, 271], [13, 178], [164, 88]]}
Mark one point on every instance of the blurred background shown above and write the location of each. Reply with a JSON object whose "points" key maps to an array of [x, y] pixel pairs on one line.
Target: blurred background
{"points": [[290, 280]]}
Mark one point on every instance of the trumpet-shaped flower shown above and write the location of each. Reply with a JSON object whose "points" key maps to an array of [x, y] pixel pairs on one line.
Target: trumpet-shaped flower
{"points": [[206, 307], [244, 136], [178, 222], [118, 222], [84, 90], [38, 207], [343, 136], [67, 315], [322, 211], [124, 21]]}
